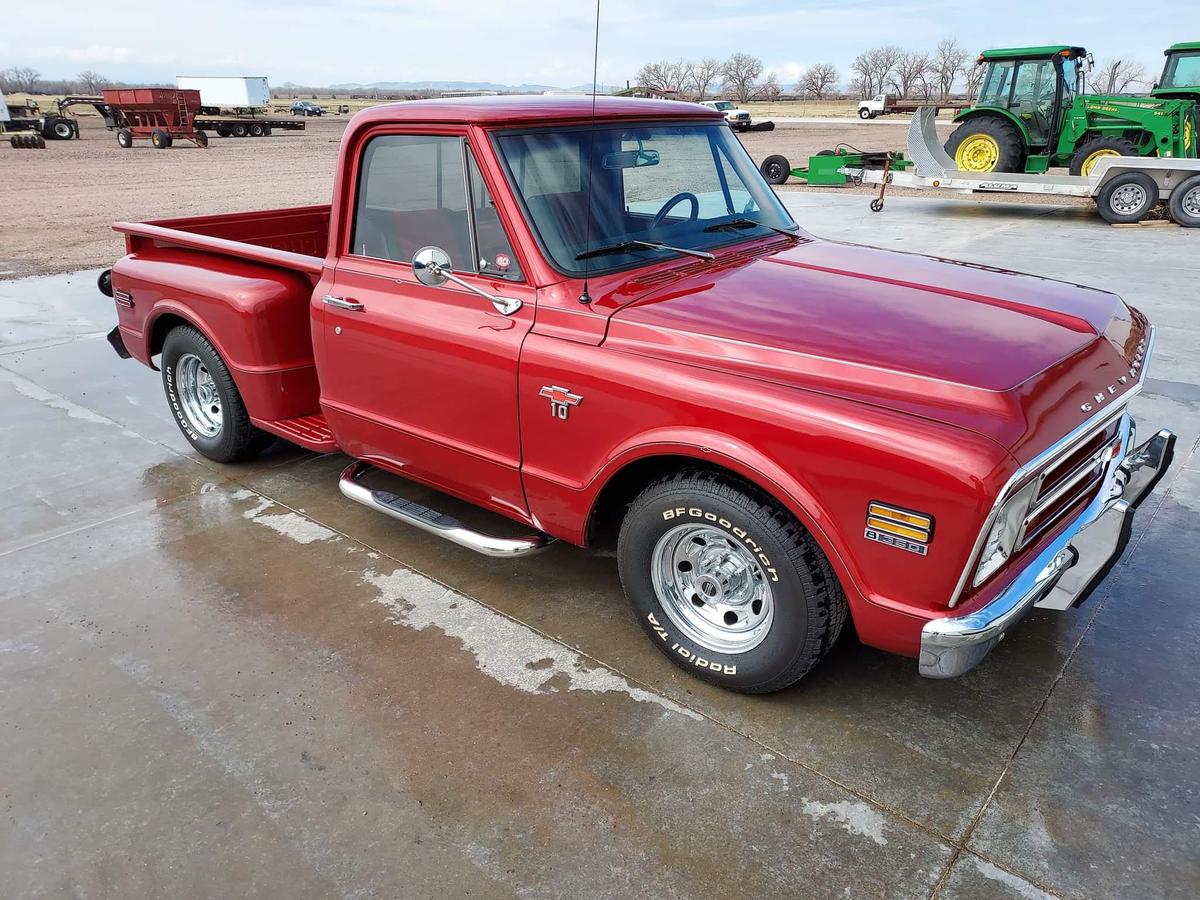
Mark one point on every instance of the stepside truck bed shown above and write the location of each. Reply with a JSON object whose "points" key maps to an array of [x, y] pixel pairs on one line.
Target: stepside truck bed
{"points": [[294, 238]]}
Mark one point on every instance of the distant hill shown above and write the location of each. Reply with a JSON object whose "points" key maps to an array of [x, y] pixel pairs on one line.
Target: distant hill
{"points": [[458, 86]]}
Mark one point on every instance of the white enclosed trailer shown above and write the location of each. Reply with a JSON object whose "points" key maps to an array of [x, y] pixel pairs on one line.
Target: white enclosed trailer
{"points": [[1126, 188], [233, 93]]}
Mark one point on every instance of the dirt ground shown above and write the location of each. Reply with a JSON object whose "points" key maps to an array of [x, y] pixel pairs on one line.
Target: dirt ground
{"points": [[58, 203]]}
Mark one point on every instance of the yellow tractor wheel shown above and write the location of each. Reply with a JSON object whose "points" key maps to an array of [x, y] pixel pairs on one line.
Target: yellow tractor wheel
{"points": [[1095, 149], [987, 143], [977, 153]]}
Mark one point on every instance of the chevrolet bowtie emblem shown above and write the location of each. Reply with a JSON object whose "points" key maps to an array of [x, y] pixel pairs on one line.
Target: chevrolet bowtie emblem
{"points": [[561, 400]]}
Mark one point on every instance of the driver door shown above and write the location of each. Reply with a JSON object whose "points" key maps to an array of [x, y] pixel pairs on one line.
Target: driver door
{"points": [[423, 380]]}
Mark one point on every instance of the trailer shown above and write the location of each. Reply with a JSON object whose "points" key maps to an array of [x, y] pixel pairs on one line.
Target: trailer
{"points": [[886, 105], [27, 116], [1126, 189], [138, 109], [239, 95]]}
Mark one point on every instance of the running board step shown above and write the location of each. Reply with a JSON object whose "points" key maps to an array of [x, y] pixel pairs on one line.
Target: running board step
{"points": [[434, 522]]}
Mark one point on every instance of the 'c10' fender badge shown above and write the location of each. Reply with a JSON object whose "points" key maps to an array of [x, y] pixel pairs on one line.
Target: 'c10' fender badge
{"points": [[561, 400]]}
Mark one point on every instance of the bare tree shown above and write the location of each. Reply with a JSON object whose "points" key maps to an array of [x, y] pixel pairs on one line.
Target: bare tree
{"points": [[873, 69], [1119, 76], [704, 73], [974, 78], [739, 74], [22, 79], [949, 61], [817, 80], [769, 89], [664, 76], [909, 76], [91, 81]]}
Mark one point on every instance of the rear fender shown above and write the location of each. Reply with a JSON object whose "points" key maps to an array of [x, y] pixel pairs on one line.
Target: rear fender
{"points": [[996, 112]]}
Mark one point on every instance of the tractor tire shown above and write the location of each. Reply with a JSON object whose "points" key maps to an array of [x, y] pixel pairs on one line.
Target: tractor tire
{"points": [[124, 138], [160, 139], [987, 144], [204, 400], [727, 583], [1092, 150], [1185, 203], [1127, 198], [865, 114], [776, 169]]}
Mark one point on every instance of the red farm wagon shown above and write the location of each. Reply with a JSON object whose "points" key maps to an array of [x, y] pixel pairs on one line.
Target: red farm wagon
{"points": [[160, 114]]}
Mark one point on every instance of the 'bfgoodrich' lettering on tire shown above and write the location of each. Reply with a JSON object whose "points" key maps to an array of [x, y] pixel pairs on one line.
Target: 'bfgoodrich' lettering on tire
{"points": [[694, 658], [695, 512]]}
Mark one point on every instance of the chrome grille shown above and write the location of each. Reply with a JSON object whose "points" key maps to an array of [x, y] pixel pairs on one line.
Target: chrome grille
{"points": [[1070, 481]]}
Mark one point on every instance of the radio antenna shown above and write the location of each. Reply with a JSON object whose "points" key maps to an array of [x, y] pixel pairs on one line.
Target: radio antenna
{"points": [[584, 296]]}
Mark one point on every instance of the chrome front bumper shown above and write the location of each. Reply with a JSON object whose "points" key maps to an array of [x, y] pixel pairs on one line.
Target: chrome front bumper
{"points": [[1065, 572]]}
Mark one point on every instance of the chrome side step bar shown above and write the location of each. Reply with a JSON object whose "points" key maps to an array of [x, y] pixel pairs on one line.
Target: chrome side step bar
{"points": [[434, 522]]}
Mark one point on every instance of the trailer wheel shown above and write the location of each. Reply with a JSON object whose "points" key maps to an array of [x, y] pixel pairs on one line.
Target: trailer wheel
{"points": [[59, 130], [266, 131], [1185, 203], [222, 132], [125, 138], [1091, 152], [160, 139], [201, 139], [238, 130], [864, 113], [1127, 198], [205, 401], [775, 169], [256, 130]]}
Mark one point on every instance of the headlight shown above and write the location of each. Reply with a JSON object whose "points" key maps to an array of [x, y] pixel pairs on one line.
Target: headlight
{"points": [[1005, 531]]}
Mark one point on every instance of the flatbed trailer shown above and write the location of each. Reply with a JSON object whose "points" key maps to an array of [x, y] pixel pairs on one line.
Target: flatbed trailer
{"points": [[245, 126], [884, 105], [1126, 188]]}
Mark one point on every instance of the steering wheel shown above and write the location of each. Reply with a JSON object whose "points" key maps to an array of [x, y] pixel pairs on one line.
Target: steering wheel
{"points": [[672, 203]]}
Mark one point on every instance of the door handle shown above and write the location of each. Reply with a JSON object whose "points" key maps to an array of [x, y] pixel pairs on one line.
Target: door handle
{"points": [[342, 303]]}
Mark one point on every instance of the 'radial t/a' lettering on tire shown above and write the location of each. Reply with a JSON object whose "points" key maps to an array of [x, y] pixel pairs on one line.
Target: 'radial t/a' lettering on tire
{"points": [[727, 583]]}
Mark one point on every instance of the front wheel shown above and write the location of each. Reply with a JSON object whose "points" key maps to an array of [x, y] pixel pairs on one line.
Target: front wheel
{"points": [[727, 583], [864, 114], [1127, 198], [205, 401]]}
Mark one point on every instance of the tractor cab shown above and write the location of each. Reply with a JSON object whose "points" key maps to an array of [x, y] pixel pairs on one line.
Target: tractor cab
{"points": [[1026, 87], [1181, 75]]}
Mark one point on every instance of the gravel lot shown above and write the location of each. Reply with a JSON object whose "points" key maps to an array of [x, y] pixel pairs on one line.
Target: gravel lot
{"points": [[60, 202]]}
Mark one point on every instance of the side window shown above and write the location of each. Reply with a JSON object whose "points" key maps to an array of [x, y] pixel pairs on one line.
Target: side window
{"points": [[412, 193], [495, 252], [998, 83]]}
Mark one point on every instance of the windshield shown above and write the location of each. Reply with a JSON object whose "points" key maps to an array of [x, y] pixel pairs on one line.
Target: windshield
{"points": [[1183, 70], [723, 105], [691, 186]]}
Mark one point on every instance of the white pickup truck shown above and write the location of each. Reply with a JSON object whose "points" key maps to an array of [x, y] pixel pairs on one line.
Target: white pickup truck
{"points": [[738, 119]]}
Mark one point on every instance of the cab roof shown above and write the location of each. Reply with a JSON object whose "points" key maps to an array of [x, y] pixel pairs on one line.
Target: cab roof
{"points": [[534, 108], [1186, 45], [1033, 52]]}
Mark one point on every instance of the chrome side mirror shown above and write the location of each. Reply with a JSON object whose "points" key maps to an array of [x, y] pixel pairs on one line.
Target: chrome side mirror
{"points": [[431, 266]]}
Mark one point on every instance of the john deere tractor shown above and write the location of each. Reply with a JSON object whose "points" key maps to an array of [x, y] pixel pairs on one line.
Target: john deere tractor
{"points": [[1032, 114], [1181, 75]]}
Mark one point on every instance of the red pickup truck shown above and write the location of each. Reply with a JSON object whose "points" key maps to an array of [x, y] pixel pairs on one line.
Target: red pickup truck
{"points": [[601, 323]]}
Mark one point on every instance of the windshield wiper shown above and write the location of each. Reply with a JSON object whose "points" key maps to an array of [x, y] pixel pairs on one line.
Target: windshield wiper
{"points": [[748, 223], [626, 246]]}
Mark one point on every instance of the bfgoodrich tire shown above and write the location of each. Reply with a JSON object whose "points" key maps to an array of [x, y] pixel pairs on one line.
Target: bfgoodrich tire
{"points": [[204, 400], [727, 583]]}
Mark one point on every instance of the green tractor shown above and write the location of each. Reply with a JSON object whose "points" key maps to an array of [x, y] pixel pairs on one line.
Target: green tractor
{"points": [[1181, 75], [1032, 113]]}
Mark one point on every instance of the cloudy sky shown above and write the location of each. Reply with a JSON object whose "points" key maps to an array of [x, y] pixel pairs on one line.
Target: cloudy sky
{"points": [[544, 41]]}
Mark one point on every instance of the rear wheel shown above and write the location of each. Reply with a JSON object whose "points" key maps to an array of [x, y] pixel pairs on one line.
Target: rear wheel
{"points": [[987, 144], [256, 130], [727, 583], [1127, 198], [61, 130], [125, 138], [238, 130], [205, 401], [160, 139], [775, 169], [1185, 203], [1091, 152], [200, 139]]}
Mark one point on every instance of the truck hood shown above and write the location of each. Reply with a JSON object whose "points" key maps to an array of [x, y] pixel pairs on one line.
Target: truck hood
{"points": [[1010, 356]]}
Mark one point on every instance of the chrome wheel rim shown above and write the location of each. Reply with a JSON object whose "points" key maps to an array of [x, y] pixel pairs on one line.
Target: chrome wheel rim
{"points": [[1191, 202], [1129, 198], [198, 395], [712, 588]]}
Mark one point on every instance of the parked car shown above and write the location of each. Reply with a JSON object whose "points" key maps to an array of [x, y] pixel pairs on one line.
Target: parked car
{"points": [[596, 319], [738, 119], [306, 108]]}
